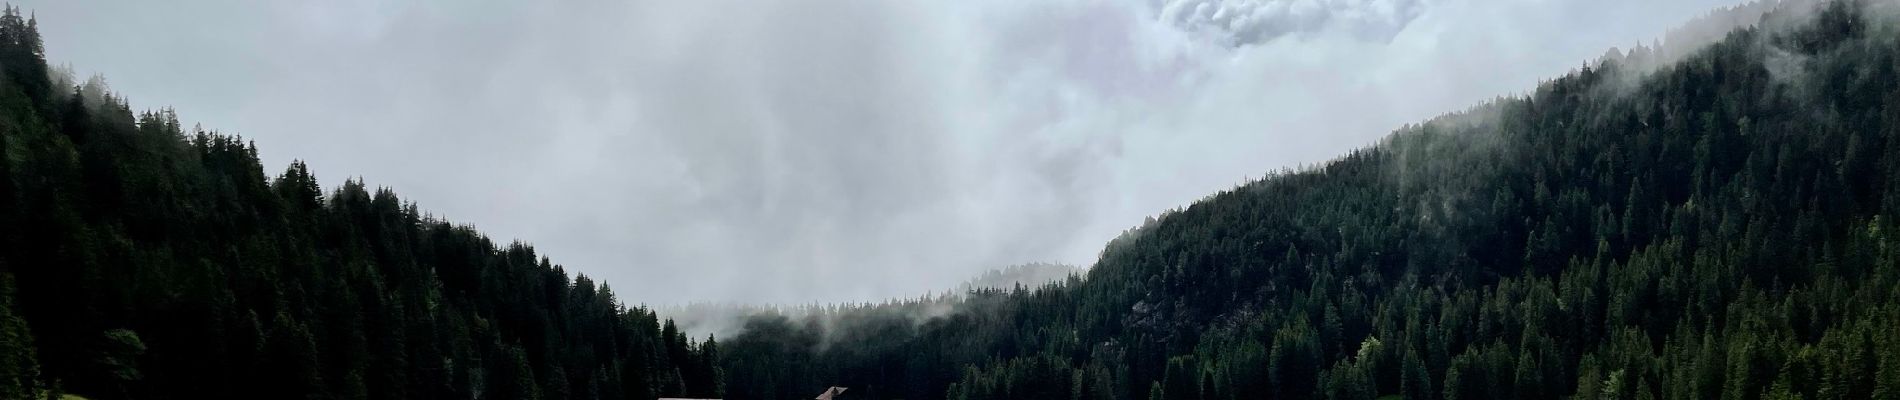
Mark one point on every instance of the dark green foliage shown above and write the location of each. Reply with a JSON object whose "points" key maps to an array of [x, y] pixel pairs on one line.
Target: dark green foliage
{"points": [[152, 262], [1295, 362], [117, 359], [19, 370], [1719, 227], [1040, 377]]}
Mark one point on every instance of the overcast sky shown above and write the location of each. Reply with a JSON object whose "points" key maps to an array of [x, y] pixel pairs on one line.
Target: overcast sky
{"points": [[818, 150]]}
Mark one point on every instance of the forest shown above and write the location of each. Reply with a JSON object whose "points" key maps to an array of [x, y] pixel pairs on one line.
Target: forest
{"points": [[1708, 224], [140, 259]]}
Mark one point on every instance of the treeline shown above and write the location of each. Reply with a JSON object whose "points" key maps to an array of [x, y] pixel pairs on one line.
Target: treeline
{"points": [[1717, 227], [1025, 275], [142, 260]]}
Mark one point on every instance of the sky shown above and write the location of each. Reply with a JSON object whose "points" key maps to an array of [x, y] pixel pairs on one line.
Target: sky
{"points": [[821, 150]]}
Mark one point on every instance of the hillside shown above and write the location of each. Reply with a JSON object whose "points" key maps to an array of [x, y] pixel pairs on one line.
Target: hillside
{"points": [[1716, 224], [139, 259]]}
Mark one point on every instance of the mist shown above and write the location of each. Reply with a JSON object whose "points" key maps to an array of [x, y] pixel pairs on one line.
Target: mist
{"points": [[823, 151]]}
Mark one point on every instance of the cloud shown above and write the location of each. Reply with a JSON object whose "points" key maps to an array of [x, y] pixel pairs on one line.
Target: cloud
{"points": [[1247, 22], [822, 150]]}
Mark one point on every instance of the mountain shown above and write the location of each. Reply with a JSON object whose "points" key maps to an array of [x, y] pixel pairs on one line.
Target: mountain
{"points": [[1672, 221], [141, 260], [1715, 223]]}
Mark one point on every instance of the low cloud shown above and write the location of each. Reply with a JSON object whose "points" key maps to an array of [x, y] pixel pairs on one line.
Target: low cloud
{"points": [[829, 150]]}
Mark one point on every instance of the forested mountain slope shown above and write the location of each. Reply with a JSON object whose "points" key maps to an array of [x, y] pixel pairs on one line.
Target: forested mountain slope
{"points": [[140, 260], [1718, 225]]}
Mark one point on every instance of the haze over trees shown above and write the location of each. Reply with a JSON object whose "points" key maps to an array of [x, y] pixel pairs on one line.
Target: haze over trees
{"points": [[1025, 275], [140, 259], [1711, 225]]}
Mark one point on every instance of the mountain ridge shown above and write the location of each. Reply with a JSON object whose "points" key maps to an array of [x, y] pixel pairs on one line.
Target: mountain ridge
{"points": [[1714, 226], [139, 259], [1598, 235]]}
